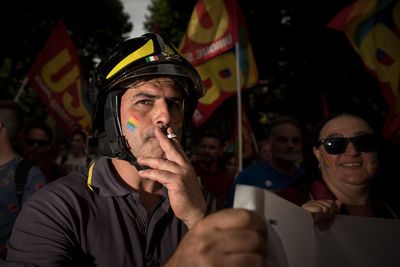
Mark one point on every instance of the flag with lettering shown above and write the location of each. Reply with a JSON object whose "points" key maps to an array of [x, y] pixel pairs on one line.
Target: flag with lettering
{"points": [[56, 76], [373, 29], [213, 30]]}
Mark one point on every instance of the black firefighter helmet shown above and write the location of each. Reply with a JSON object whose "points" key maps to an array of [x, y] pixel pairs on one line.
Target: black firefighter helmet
{"points": [[129, 62]]}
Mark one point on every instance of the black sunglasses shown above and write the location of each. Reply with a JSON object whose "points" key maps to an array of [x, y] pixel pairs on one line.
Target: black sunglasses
{"points": [[338, 145], [41, 143]]}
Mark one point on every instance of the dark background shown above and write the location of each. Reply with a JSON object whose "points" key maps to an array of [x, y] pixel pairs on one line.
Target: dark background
{"points": [[297, 55]]}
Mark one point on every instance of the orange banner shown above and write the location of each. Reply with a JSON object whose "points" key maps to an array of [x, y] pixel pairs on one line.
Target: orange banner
{"points": [[373, 29], [214, 22], [212, 30], [56, 77]]}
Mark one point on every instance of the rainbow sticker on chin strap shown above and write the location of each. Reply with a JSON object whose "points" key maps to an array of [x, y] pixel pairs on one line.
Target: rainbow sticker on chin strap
{"points": [[132, 123]]}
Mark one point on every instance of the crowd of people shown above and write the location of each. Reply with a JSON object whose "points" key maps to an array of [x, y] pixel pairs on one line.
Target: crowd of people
{"points": [[140, 200]]}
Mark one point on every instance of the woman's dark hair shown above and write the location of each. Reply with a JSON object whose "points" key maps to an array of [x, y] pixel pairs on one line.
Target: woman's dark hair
{"points": [[320, 125]]}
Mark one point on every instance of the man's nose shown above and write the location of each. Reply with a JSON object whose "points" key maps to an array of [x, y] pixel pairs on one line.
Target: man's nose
{"points": [[162, 114], [290, 143]]}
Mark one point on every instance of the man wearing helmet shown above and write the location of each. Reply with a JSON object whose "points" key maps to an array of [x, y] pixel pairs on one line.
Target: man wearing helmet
{"points": [[141, 203]]}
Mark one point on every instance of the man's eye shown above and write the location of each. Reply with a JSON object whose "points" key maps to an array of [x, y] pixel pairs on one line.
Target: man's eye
{"points": [[296, 140], [282, 139], [144, 102]]}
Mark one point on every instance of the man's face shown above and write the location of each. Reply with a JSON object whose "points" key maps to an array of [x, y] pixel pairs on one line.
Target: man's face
{"points": [[210, 149], [78, 144], [37, 144], [150, 104], [286, 143]]}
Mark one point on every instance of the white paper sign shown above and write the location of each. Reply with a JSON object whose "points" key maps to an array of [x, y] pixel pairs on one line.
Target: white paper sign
{"points": [[293, 241]]}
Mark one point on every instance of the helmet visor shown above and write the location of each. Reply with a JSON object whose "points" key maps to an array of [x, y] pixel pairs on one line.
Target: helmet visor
{"points": [[169, 70]]}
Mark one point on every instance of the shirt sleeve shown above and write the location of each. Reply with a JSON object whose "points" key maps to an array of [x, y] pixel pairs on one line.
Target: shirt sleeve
{"points": [[42, 236], [34, 182], [239, 180]]}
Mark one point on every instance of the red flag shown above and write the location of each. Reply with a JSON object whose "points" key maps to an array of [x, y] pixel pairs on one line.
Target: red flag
{"points": [[373, 29], [325, 110], [56, 77], [213, 30], [156, 28]]}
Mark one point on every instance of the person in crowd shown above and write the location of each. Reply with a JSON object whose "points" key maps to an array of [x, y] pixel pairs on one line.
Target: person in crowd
{"points": [[38, 147], [229, 163], [140, 204], [62, 150], [345, 147], [78, 158], [19, 180], [213, 178], [275, 174], [264, 151]]}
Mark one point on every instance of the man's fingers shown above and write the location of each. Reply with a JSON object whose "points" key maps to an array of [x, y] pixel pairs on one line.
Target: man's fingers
{"points": [[235, 219], [245, 259], [233, 241], [159, 164], [163, 177], [338, 204], [230, 237], [173, 150]]}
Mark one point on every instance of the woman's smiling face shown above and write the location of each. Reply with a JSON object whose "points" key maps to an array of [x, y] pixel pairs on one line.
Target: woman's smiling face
{"points": [[352, 167]]}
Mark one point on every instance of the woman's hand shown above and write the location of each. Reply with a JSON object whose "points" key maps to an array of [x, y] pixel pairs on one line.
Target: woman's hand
{"points": [[323, 211]]}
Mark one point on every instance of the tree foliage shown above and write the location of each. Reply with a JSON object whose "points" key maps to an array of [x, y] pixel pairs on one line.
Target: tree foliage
{"points": [[170, 17], [94, 26], [298, 59]]}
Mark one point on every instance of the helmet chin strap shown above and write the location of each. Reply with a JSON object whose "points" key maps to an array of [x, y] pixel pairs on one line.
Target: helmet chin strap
{"points": [[128, 156], [111, 142]]}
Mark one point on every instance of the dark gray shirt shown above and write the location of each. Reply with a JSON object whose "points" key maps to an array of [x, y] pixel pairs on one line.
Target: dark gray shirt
{"points": [[92, 218]]}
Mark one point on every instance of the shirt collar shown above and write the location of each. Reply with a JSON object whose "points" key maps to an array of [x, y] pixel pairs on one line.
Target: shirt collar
{"points": [[103, 180]]}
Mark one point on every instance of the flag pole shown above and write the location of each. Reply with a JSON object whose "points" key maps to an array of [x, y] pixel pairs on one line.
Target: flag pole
{"points": [[239, 107], [21, 89]]}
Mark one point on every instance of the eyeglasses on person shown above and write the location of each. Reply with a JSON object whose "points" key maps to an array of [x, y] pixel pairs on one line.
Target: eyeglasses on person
{"points": [[338, 145], [41, 143]]}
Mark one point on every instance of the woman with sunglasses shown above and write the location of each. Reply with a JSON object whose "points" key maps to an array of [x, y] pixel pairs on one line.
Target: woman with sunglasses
{"points": [[346, 149]]}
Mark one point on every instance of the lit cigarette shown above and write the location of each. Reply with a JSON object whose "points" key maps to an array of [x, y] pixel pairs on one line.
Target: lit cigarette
{"points": [[170, 136]]}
